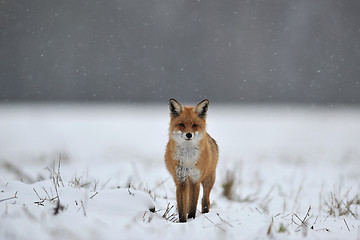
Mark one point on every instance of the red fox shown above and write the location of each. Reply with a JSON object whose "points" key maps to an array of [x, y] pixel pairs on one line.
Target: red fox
{"points": [[191, 157]]}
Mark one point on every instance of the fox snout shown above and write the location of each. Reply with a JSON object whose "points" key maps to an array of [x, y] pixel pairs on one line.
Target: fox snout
{"points": [[180, 136], [192, 136], [189, 136]]}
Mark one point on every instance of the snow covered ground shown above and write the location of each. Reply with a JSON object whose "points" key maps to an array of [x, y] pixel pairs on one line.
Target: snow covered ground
{"points": [[296, 173]]}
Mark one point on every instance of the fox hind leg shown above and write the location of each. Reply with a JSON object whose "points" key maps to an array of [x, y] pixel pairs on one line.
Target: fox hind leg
{"points": [[207, 184]]}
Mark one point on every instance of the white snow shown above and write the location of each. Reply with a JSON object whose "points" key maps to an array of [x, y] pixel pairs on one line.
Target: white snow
{"points": [[285, 160]]}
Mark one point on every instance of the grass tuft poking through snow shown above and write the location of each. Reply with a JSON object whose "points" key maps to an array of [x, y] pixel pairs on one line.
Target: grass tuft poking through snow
{"points": [[228, 185], [338, 205]]}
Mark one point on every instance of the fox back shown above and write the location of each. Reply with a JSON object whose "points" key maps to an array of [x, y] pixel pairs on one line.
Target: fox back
{"points": [[191, 157]]}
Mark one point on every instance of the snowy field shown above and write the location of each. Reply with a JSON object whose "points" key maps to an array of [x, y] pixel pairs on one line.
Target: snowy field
{"points": [[285, 172]]}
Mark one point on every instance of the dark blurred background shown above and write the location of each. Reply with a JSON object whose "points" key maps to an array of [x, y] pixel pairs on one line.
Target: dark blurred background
{"points": [[299, 51]]}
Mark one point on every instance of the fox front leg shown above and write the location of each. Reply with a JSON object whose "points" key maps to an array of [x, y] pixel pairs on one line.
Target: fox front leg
{"points": [[194, 189], [182, 200]]}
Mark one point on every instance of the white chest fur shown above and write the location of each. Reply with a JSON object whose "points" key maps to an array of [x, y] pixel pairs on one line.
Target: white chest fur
{"points": [[187, 153]]}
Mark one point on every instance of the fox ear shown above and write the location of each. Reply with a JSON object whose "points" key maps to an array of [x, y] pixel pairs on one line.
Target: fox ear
{"points": [[175, 108], [202, 108]]}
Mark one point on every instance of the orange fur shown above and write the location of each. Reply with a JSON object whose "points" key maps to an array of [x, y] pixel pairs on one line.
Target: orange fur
{"points": [[190, 162]]}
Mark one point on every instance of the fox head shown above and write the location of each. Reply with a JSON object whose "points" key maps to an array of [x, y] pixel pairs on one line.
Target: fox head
{"points": [[187, 123]]}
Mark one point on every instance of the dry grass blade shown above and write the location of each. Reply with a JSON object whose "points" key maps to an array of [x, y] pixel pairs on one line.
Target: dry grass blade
{"points": [[265, 201], [37, 194], [169, 217], [132, 194], [270, 227], [303, 221], [23, 176], [297, 218], [216, 225], [346, 225], [323, 229], [307, 215], [224, 220], [347, 206], [58, 176], [29, 214], [149, 218], [259, 211], [94, 195], [40, 203], [205, 217], [55, 174], [9, 198], [78, 182], [83, 208], [43, 188], [162, 183], [302, 226]]}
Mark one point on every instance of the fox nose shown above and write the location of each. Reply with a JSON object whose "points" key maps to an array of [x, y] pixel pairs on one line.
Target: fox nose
{"points": [[189, 135]]}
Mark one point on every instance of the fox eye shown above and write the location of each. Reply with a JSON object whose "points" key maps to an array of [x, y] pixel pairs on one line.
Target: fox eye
{"points": [[181, 125], [195, 125]]}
